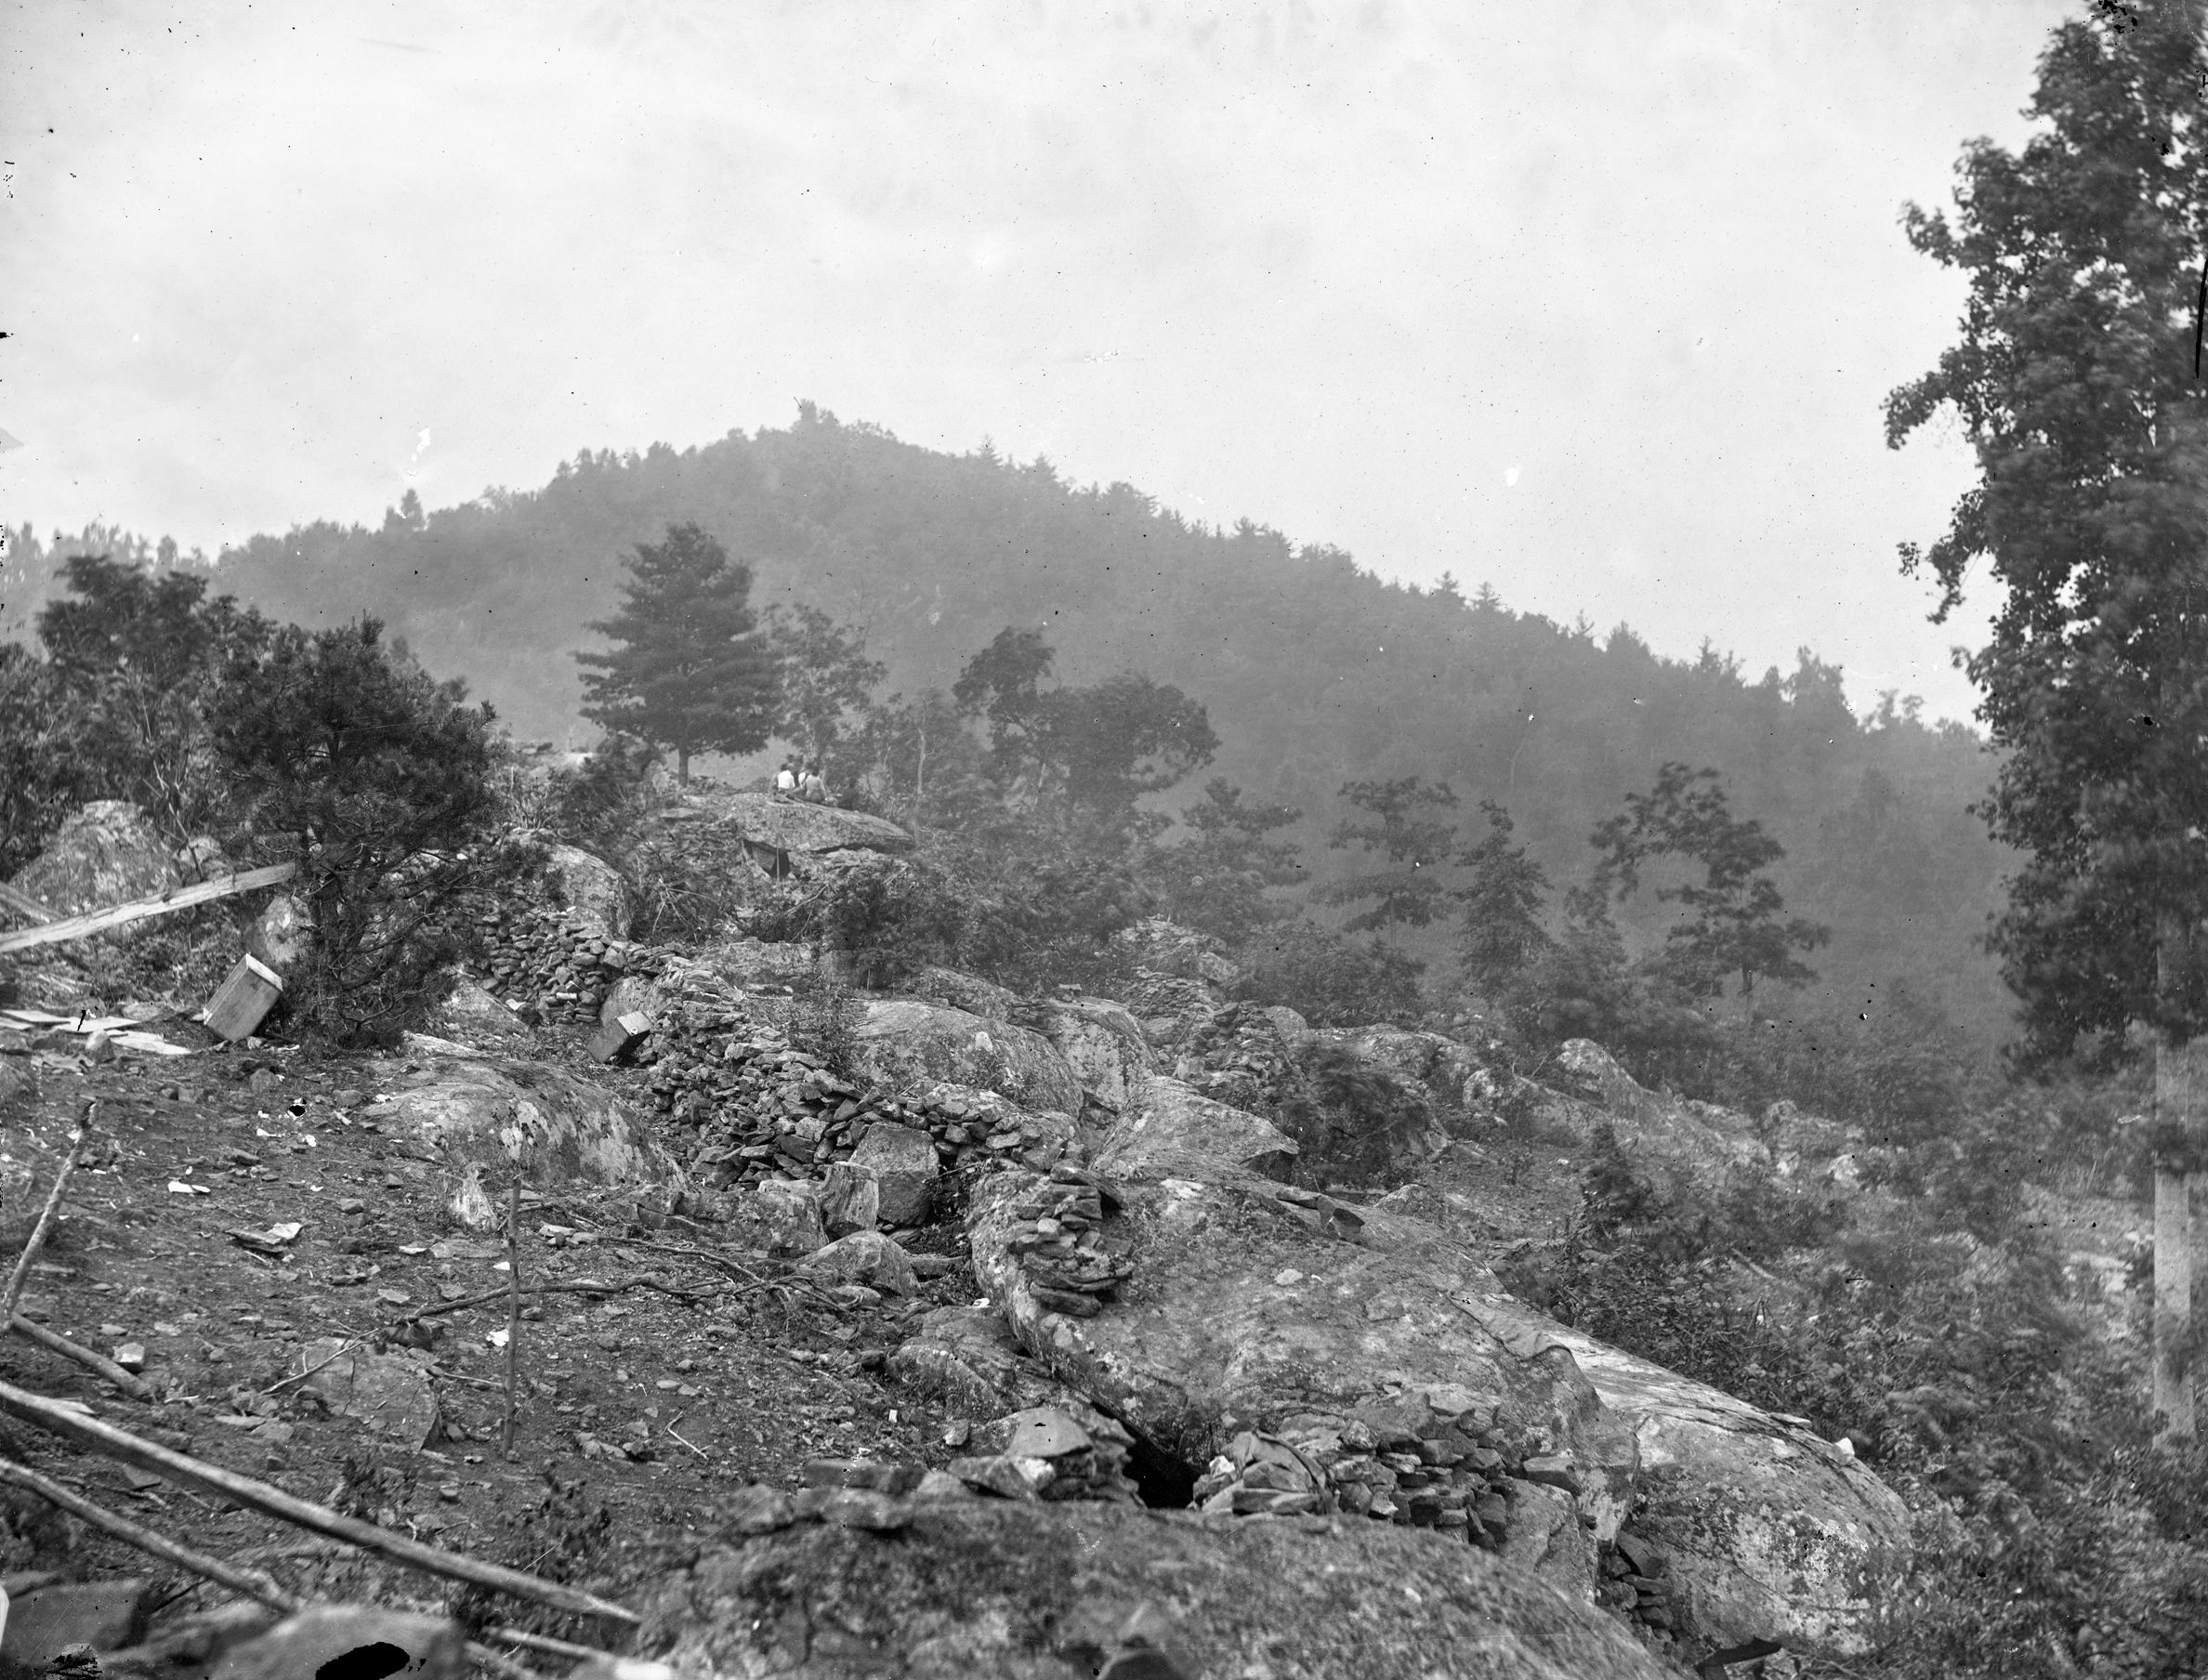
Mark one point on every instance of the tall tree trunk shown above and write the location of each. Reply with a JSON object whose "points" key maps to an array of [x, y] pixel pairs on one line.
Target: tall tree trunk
{"points": [[682, 766], [2180, 1099]]}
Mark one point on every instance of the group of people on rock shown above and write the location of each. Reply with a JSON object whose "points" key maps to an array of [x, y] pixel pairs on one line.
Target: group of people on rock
{"points": [[798, 779]]}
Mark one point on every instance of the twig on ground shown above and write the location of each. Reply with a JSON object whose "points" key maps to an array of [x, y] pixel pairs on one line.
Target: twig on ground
{"points": [[120, 1444], [136, 1388], [345, 1347], [45, 1218], [505, 1427], [691, 1444], [543, 1642], [251, 1583]]}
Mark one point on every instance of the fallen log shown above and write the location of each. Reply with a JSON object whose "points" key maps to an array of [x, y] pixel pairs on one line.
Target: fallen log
{"points": [[121, 1445], [138, 909]]}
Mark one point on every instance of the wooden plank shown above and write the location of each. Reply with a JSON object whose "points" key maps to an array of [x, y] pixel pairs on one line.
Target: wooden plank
{"points": [[118, 915], [24, 905]]}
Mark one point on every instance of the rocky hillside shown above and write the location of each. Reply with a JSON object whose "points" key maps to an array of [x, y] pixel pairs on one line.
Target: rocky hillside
{"points": [[909, 1332]]}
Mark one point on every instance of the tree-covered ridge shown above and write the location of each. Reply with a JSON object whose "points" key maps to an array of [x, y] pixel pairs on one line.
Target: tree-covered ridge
{"points": [[1314, 672]]}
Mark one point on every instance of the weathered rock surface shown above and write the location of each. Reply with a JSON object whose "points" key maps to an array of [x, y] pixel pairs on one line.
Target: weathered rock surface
{"points": [[967, 992], [471, 1114], [282, 934], [967, 1356], [104, 853], [1450, 1073], [902, 1162], [753, 963], [388, 1393], [912, 1044], [1104, 1046], [794, 826], [868, 1257], [592, 887], [46, 1621], [1253, 1307], [471, 1015], [1174, 1131], [1003, 1590], [341, 1641], [780, 1216]]}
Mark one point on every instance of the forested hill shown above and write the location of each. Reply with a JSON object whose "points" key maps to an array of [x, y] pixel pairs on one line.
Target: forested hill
{"points": [[1314, 671]]}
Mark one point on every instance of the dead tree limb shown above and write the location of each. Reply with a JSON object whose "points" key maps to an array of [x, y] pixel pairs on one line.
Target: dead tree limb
{"points": [[135, 1387], [119, 1444], [46, 1217], [118, 915]]}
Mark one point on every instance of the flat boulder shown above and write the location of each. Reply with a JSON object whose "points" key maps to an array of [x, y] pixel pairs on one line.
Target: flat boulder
{"points": [[1174, 1130], [1016, 1590], [959, 990], [795, 826], [909, 1044], [469, 1115]]}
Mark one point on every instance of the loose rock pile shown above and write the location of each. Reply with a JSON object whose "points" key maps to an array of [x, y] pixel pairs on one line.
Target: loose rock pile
{"points": [[558, 959], [756, 1108], [1071, 1267]]}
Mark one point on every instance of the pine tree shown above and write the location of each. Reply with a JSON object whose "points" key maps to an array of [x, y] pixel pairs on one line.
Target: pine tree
{"points": [[688, 671], [1502, 900], [1409, 889], [2077, 381]]}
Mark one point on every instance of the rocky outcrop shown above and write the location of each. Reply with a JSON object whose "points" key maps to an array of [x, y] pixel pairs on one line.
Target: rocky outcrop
{"points": [[104, 853], [1174, 1131], [471, 1015], [911, 1044], [591, 889], [999, 1589], [967, 992], [469, 1116], [1457, 1081], [1253, 1306], [1104, 1046]]}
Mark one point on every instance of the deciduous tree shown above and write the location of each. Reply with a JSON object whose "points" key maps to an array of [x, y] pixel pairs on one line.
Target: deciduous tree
{"points": [[2076, 379]]}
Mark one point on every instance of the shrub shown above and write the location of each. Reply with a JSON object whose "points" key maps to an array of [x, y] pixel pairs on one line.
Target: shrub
{"points": [[375, 779], [1330, 980]]}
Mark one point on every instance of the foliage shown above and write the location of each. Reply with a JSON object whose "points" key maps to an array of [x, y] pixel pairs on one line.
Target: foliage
{"points": [[1735, 927], [1504, 899], [603, 802], [825, 679], [824, 1020], [687, 670], [1350, 1118], [132, 654], [41, 776], [1080, 754], [893, 916], [375, 779], [1410, 889], [1330, 979], [2073, 377], [1217, 877]]}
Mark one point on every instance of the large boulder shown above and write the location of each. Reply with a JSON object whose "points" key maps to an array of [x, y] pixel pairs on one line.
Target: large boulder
{"points": [[1103, 1044], [908, 1044], [1013, 1590], [751, 963], [1167, 947], [902, 1162], [792, 826], [1253, 1306], [281, 935], [1174, 1130], [104, 853], [471, 1015], [470, 1117], [591, 887], [959, 990]]}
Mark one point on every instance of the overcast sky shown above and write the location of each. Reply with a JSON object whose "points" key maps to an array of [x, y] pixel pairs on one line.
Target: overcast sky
{"points": [[1593, 302]]}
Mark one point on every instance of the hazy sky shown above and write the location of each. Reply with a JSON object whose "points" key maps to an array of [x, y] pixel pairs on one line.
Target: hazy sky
{"points": [[1595, 302]]}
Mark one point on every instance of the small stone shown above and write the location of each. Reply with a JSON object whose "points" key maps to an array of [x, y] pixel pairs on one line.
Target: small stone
{"points": [[1007, 1477]]}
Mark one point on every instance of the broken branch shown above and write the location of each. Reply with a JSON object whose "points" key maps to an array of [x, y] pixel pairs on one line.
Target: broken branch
{"points": [[118, 915], [46, 1217], [135, 1387], [274, 1502]]}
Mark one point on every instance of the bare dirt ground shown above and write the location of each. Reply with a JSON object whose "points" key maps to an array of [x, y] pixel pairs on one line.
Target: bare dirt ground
{"points": [[638, 1411]]}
